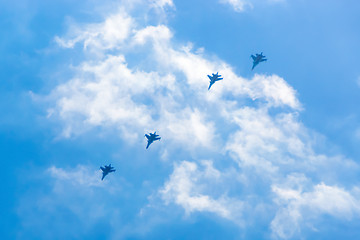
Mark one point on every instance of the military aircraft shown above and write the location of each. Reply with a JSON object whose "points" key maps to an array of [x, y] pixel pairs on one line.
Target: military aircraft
{"points": [[258, 59], [151, 137], [214, 78], [106, 170]]}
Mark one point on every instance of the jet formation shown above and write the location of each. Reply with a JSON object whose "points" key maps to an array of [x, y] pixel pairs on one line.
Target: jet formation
{"points": [[214, 78], [106, 170], [151, 137], [258, 59]]}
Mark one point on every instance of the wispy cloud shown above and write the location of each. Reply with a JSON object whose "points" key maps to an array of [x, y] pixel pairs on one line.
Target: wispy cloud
{"points": [[162, 3], [237, 5], [72, 199], [80, 175], [243, 5], [298, 206]]}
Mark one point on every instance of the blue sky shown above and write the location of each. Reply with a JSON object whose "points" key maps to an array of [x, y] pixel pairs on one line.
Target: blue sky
{"points": [[265, 154]]}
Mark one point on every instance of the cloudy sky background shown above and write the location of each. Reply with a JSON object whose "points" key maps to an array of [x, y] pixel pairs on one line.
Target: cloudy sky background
{"points": [[265, 154]]}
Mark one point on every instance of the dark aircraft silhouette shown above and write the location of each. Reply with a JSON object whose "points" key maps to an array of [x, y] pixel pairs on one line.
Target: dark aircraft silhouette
{"points": [[214, 78], [151, 137], [258, 59], [106, 170]]}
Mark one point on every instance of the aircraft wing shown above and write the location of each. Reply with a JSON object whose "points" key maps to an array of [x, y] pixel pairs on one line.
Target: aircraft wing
{"points": [[210, 77], [263, 60], [147, 136], [112, 170], [157, 138], [102, 168], [219, 79], [253, 57]]}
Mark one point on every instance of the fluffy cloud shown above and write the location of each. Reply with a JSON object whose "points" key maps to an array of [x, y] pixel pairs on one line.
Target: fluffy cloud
{"points": [[160, 34], [268, 142], [107, 35], [109, 99], [188, 185]]}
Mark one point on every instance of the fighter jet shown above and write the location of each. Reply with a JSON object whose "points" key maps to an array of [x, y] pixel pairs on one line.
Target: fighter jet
{"points": [[214, 78], [151, 137], [258, 59], [106, 170]]}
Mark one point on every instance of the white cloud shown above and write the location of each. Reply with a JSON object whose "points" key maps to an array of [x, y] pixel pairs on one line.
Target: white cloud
{"points": [[160, 34], [107, 35], [264, 141], [108, 98], [188, 126], [187, 186], [297, 206], [275, 90]]}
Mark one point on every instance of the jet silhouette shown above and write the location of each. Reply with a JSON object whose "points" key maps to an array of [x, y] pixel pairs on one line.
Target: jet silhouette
{"points": [[106, 170], [214, 78], [258, 59], [151, 137]]}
